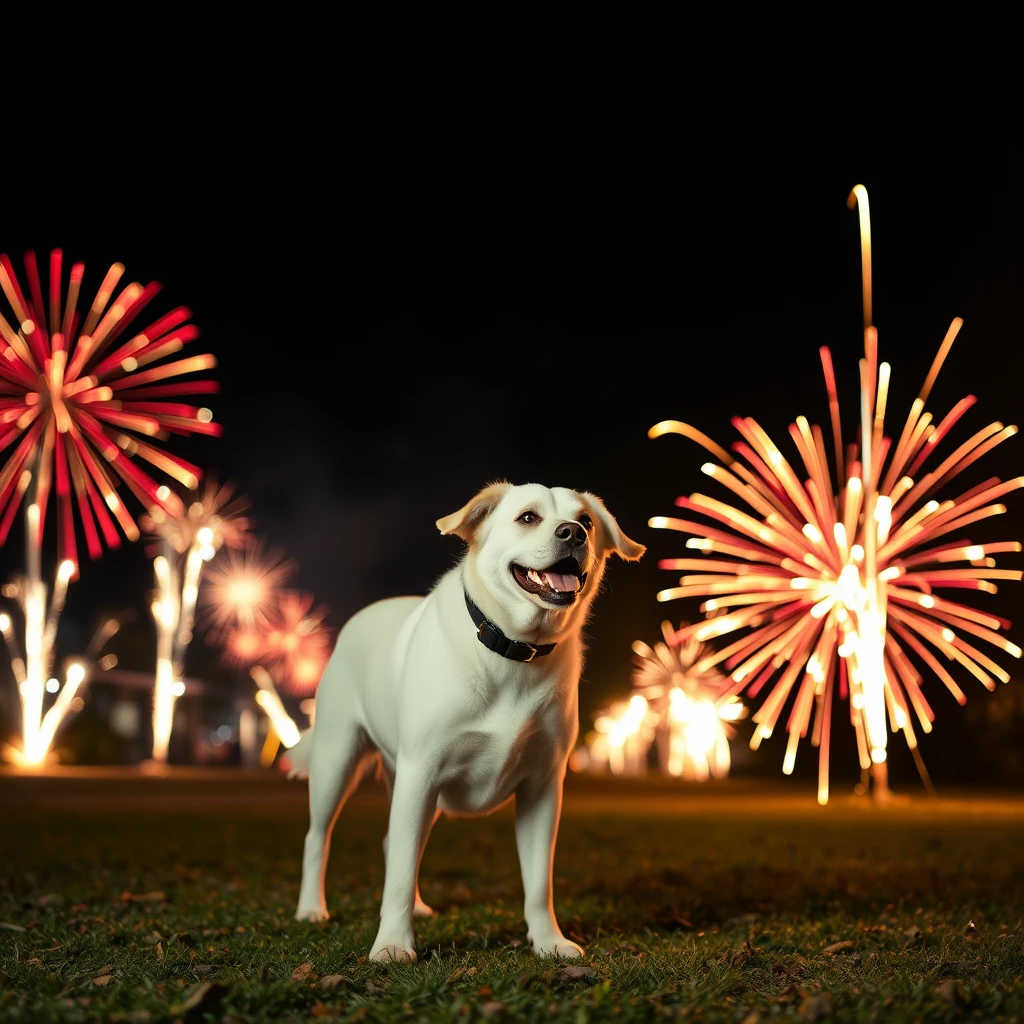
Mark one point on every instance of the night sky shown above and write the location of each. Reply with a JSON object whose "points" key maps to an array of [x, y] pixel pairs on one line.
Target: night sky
{"points": [[411, 296]]}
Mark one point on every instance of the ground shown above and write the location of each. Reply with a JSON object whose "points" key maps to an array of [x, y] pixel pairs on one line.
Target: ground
{"points": [[128, 899]]}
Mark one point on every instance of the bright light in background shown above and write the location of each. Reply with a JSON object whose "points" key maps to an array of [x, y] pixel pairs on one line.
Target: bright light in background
{"points": [[831, 583], [76, 407], [678, 704], [186, 542]]}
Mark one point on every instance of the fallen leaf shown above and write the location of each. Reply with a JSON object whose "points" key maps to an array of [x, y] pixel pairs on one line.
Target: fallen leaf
{"points": [[460, 972], [950, 991], [484, 992], [203, 997], [912, 936], [153, 938], [570, 975], [103, 979], [303, 972], [130, 1016], [816, 1006], [319, 1010], [971, 932], [492, 1009], [50, 899], [159, 950], [79, 907], [146, 897], [332, 981], [34, 962], [375, 988], [184, 938], [8, 926], [838, 947]]}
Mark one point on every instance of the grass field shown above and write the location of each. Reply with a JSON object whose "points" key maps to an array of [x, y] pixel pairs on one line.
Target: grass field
{"points": [[126, 899]]}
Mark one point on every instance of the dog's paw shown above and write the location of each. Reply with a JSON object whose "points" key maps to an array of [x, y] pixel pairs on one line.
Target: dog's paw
{"points": [[312, 914], [557, 945], [390, 953], [421, 909]]}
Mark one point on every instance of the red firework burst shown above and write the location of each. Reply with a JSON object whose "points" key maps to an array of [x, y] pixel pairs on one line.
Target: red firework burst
{"points": [[290, 640], [80, 406], [832, 585], [298, 642]]}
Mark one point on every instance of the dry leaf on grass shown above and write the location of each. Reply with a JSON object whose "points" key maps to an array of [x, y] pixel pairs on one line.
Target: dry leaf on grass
{"points": [[130, 1016], [912, 936], [838, 947], [103, 979], [201, 999], [11, 927], [303, 972], [492, 1009], [971, 932], [156, 896], [460, 972], [333, 981]]}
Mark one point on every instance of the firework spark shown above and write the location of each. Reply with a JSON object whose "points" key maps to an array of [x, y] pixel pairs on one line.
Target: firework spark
{"points": [[297, 644], [691, 704], [242, 588], [835, 587], [185, 542], [82, 408]]}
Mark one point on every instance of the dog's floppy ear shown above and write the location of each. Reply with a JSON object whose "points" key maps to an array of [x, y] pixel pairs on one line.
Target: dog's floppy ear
{"points": [[614, 539], [464, 523]]}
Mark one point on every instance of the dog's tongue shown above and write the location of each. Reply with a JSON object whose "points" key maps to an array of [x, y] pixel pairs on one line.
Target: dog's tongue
{"points": [[561, 581]]}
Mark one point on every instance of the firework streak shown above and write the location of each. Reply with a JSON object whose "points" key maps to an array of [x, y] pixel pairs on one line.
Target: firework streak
{"points": [[833, 588], [81, 404]]}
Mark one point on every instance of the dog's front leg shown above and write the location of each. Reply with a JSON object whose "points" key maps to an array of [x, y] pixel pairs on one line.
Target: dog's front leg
{"points": [[538, 807], [413, 802]]}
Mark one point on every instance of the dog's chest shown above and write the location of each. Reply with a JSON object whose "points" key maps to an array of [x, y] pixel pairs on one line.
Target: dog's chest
{"points": [[488, 756]]}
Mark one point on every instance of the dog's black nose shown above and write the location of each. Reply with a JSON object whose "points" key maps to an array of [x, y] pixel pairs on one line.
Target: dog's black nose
{"points": [[571, 532]]}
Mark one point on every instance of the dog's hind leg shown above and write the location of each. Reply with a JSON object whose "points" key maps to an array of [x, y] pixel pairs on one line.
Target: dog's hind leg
{"points": [[335, 769], [420, 908]]}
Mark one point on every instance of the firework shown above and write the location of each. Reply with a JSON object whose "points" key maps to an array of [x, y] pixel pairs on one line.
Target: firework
{"points": [[277, 634], [242, 588], [83, 405], [291, 641], [82, 412], [297, 644], [185, 542], [32, 667], [623, 735], [833, 588], [691, 704]]}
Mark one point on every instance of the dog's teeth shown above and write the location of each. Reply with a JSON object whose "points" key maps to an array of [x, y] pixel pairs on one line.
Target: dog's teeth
{"points": [[536, 577]]}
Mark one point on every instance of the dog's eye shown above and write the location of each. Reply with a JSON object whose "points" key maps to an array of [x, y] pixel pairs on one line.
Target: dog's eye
{"points": [[528, 518], [586, 522]]}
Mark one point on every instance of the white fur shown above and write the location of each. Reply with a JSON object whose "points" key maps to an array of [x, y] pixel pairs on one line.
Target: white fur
{"points": [[457, 728]]}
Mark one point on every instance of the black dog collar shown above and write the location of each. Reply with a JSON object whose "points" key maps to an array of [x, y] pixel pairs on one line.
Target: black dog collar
{"points": [[494, 640]]}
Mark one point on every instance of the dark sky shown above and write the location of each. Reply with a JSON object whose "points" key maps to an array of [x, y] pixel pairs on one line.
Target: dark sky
{"points": [[412, 294]]}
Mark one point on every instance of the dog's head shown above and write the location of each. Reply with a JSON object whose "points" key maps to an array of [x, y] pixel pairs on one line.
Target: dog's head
{"points": [[538, 551]]}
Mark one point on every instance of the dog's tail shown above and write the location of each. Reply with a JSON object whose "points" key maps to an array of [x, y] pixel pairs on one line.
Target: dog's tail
{"points": [[300, 755]]}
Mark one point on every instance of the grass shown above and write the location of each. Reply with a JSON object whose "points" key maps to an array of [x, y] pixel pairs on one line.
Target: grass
{"points": [[156, 900]]}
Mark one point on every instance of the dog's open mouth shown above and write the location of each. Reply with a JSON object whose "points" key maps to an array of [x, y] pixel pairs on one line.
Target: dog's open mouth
{"points": [[557, 584]]}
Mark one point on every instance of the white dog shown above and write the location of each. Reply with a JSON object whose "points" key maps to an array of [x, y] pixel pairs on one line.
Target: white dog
{"points": [[467, 696]]}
